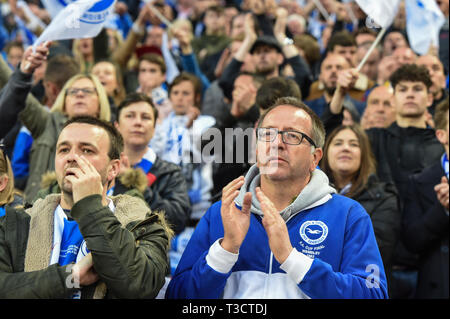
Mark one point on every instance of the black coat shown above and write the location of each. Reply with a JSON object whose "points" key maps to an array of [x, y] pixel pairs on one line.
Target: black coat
{"points": [[426, 232], [380, 200], [168, 193]]}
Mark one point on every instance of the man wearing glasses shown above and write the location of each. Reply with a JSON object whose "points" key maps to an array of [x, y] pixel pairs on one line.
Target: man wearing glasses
{"points": [[282, 231]]}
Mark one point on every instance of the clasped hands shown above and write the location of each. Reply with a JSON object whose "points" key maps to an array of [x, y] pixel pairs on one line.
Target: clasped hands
{"points": [[237, 222]]}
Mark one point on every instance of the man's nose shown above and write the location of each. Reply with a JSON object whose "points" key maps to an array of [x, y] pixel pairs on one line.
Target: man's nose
{"points": [[278, 141], [70, 157]]}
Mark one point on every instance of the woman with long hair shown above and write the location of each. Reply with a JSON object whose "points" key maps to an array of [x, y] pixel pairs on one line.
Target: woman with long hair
{"points": [[350, 165], [8, 195]]}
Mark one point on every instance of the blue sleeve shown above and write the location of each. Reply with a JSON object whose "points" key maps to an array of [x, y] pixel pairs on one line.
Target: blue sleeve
{"points": [[194, 278], [361, 274], [189, 64], [20, 161]]}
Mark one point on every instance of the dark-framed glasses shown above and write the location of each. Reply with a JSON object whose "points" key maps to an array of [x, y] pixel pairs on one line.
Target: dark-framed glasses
{"points": [[85, 91], [291, 137]]}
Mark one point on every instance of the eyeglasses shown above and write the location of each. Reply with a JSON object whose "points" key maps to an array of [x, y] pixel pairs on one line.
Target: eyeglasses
{"points": [[269, 134], [87, 91], [3, 150]]}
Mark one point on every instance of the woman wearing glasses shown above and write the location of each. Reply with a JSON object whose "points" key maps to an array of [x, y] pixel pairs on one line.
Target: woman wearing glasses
{"points": [[83, 94], [349, 163], [8, 195]]}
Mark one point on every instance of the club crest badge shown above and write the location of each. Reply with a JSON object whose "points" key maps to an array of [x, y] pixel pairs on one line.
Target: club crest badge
{"points": [[313, 232]]}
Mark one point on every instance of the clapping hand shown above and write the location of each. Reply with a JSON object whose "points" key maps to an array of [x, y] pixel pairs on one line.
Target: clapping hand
{"points": [[275, 226], [235, 222]]}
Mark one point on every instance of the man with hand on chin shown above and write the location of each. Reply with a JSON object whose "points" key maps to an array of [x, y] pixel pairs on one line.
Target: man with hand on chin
{"points": [[282, 231], [81, 243]]}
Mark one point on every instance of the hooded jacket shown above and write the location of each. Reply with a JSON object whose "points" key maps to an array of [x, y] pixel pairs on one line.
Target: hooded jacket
{"points": [[335, 253], [129, 250]]}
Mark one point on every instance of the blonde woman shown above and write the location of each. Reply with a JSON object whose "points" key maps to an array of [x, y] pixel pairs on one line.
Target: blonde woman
{"points": [[8, 195], [111, 78], [83, 94]]}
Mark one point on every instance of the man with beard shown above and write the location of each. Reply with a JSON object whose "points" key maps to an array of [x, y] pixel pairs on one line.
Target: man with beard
{"points": [[81, 243], [268, 54], [329, 70]]}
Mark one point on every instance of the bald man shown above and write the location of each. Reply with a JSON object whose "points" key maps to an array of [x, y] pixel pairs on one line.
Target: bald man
{"points": [[436, 69], [380, 111]]}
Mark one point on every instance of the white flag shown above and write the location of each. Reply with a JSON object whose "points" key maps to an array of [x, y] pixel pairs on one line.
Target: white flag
{"points": [[382, 12], [424, 20], [79, 19]]}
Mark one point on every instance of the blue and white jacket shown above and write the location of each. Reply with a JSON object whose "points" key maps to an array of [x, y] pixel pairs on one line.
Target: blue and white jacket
{"points": [[175, 143], [335, 253]]}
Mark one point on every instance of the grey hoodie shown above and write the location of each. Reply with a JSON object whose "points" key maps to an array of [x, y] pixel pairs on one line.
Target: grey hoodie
{"points": [[317, 192]]}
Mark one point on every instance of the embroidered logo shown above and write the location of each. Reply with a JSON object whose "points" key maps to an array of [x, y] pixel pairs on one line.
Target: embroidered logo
{"points": [[313, 232]]}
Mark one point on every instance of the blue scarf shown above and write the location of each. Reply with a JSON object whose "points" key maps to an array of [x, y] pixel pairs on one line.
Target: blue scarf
{"points": [[67, 240], [2, 211], [68, 243], [147, 161]]}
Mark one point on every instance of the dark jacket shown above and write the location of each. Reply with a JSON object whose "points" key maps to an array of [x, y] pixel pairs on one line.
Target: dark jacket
{"points": [[169, 194], [399, 151], [426, 232], [234, 156], [380, 200], [129, 250]]}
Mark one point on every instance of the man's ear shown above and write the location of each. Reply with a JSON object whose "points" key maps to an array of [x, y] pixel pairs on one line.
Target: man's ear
{"points": [[318, 153], [3, 182], [442, 137], [114, 169], [280, 58]]}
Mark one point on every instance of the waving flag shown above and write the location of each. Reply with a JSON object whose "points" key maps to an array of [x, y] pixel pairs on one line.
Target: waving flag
{"points": [[382, 12], [424, 20], [79, 19]]}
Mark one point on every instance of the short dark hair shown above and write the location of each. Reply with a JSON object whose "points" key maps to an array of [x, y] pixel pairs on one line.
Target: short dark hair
{"points": [[411, 73], [216, 9], [60, 69], [274, 88], [318, 130], [342, 38], [196, 83], [135, 97], [13, 44], [441, 115], [155, 59], [115, 138]]}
